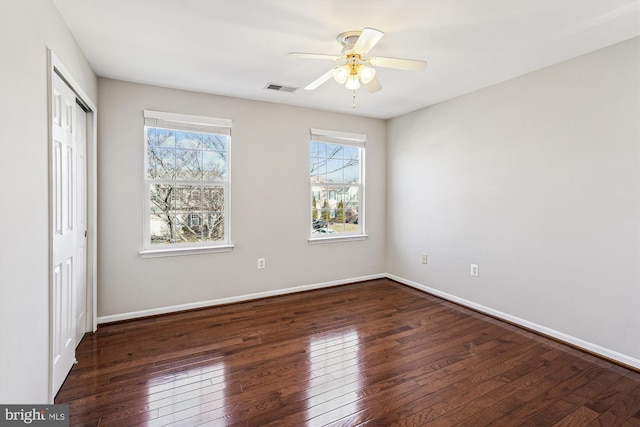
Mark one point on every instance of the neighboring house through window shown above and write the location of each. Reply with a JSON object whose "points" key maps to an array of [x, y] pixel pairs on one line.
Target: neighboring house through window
{"points": [[186, 184], [337, 185]]}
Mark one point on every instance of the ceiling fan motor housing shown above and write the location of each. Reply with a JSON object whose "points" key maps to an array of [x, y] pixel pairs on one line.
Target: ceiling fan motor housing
{"points": [[347, 40]]}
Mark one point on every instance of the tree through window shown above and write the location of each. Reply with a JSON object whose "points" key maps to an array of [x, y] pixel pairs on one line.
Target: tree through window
{"points": [[187, 180]]}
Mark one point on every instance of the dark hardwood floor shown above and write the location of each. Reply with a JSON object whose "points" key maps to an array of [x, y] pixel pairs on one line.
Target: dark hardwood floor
{"points": [[374, 353]]}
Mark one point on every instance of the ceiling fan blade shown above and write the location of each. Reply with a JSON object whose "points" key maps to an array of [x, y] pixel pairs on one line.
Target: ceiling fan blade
{"points": [[317, 82], [398, 63], [373, 86], [367, 40], [314, 56]]}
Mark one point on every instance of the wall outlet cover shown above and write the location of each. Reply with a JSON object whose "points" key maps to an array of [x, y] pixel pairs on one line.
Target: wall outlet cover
{"points": [[475, 270]]}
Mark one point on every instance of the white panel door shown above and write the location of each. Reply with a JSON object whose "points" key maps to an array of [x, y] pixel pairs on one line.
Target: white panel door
{"points": [[80, 288], [64, 230]]}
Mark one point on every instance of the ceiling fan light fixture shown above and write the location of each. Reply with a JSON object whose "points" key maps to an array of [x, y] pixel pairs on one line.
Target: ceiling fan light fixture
{"points": [[340, 74], [366, 74], [358, 69], [352, 83]]}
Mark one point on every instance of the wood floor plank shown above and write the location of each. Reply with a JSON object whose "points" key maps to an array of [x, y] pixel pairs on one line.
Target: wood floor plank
{"points": [[579, 417], [553, 414], [422, 364], [621, 411], [370, 353]]}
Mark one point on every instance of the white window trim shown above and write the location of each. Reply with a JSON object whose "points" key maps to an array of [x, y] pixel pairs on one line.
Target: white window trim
{"points": [[343, 138], [191, 250], [336, 239], [186, 122]]}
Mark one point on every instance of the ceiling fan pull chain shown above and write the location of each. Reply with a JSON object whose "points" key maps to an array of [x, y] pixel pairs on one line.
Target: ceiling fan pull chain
{"points": [[353, 99]]}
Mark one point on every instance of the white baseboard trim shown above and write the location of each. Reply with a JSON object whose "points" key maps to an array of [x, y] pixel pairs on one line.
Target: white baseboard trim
{"points": [[229, 300], [577, 342]]}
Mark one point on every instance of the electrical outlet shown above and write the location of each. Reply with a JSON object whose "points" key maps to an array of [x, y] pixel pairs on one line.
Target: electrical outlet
{"points": [[474, 270], [424, 258], [261, 263]]}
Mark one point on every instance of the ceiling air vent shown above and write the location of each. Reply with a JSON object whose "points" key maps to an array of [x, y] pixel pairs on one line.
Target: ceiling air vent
{"points": [[281, 88]]}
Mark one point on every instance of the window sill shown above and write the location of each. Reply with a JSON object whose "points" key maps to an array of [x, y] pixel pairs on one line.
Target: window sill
{"points": [[337, 239], [198, 250]]}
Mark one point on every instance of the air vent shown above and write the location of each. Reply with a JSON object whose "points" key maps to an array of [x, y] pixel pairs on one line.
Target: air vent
{"points": [[280, 88]]}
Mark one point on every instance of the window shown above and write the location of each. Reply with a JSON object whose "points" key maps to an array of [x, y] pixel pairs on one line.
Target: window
{"points": [[186, 183], [195, 220], [337, 185]]}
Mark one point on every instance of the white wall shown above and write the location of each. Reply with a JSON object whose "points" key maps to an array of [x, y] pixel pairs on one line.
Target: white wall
{"points": [[27, 28], [269, 196], [536, 180]]}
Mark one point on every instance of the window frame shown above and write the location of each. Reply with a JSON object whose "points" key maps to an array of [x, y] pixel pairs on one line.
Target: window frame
{"points": [[188, 123], [344, 139]]}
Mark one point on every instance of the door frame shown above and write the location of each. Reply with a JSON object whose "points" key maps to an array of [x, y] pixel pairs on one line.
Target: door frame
{"points": [[55, 66]]}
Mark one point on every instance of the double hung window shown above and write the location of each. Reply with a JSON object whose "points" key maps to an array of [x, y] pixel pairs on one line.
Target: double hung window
{"points": [[337, 185], [186, 204]]}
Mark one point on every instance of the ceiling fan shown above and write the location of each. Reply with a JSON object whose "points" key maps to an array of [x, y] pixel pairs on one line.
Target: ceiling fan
{"points": [[358, 69]]}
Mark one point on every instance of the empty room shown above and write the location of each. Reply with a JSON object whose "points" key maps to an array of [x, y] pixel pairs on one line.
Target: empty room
{"points": [[320, 212]]}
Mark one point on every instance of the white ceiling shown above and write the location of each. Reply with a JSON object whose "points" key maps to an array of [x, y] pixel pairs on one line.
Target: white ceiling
{"points": [[236, 47]]}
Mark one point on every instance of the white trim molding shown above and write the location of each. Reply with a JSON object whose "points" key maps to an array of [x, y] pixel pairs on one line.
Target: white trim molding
{"points": [[190, 250], [351, 238], [229, 300], [552, 333], [560, 336], [56, 66]]}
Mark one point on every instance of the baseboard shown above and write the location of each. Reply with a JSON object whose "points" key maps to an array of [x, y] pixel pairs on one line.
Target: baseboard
{"points": [[560, 336], [247, 297]]}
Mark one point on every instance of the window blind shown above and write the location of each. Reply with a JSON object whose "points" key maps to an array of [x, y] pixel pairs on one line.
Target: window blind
{"points": [[345, 138], [187, 122]]}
